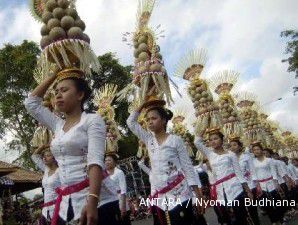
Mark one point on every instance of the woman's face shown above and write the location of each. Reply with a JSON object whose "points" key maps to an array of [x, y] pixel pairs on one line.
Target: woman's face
{"points": [[215, 141], [235, 147], [67, 97], [110, 163], [257, 151], [154, 122], [48, 158]]}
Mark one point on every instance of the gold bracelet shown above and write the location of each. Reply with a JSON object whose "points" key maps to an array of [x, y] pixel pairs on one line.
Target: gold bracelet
{"points": [[93, 195]]}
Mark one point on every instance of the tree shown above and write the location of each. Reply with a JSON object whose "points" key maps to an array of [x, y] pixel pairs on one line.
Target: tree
{"points": [[17, 63], [113, 72], [292, 49]]}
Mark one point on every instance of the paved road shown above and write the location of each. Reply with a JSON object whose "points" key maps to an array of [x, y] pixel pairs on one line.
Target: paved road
{"points": [[212, 220]]}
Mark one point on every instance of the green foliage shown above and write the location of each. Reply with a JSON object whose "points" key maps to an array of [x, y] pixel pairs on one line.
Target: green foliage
{"points": [[291, 49], [17, 63]]}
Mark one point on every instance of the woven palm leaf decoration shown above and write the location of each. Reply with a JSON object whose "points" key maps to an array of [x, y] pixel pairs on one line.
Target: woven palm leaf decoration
{"points": [[149, 74], [103, 99], [180, 129], [248, 109], [222, 83], [207, 112], [63, 41]]}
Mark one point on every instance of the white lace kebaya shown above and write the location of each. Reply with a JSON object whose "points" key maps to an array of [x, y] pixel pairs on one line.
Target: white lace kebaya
{"points": [[81, 146], [49, 184], [167, 162], [222, 166], [263, 170]]}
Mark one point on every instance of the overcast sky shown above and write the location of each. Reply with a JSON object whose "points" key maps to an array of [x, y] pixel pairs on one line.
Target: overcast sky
{"points": [[239, 35]]}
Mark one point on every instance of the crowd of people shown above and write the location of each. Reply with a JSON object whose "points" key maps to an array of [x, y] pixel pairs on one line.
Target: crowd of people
{"points": [[82, 183]]}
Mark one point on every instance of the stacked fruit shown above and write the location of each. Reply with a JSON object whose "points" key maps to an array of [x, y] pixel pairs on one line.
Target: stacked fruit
{"points": [[222, 83], [180, 129], [207, 111], [252, 128], [61, 22], [63, 41]]}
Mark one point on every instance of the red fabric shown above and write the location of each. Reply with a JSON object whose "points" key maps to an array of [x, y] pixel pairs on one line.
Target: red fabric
{"points": [[47, 204], [164, 190], [66, 191], [266, 179], [247, 174], [213, 193], [259, 189]]}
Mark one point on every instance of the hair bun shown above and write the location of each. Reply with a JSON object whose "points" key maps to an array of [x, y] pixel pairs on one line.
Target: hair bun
{"points": [[169, 114]]}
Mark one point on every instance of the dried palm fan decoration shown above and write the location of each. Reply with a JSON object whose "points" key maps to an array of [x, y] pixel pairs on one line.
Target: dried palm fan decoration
{"points": [[42, 135], [191, 64], [252, 128], [207, 112], [149, 71], [222, 83], [142, 150], [269, 128], [180, 129], [103, 99], [63, 42]]}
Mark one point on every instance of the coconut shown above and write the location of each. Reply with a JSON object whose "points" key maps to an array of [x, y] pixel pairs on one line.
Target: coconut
{"points": [[156, 67], [53, 23], [142, 69], [136, 53], [46, 16], [45, 41], [75, 32], [143, 47], [44, 30], [86, 38], [203, 100], [63, 3], [51, 5], [57, 33], [198, 95], [199, 89], [205, 94], [58, 13], [142, 39], [72, 12], [135, 44], [67, 22], [143, 56], [80, 23]]}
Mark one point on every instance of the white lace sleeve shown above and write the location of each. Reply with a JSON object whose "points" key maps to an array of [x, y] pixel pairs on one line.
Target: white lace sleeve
{"points": [[136, 128]]}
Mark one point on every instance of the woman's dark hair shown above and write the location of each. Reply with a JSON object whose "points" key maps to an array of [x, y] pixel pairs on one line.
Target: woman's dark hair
{"points": [[238, 142], [259, 145], [164, 114], [82, 86], [113, 156], [219, 134]]}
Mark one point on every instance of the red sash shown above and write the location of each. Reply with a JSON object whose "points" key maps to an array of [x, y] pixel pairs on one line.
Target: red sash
{"points": [[266, 179], [66, 191], [247, 174], [259, 189], [69, 190], [47, 204], [213, 193], [170, 186]]}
